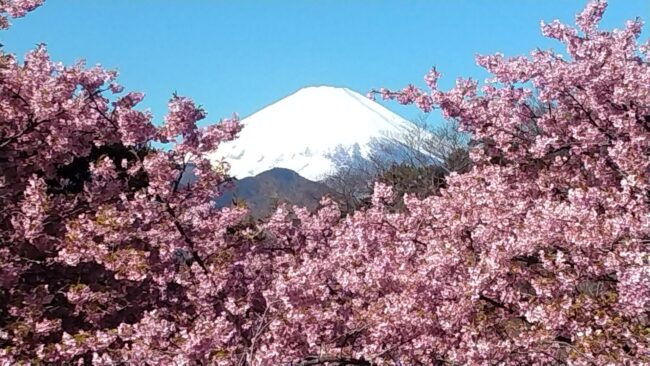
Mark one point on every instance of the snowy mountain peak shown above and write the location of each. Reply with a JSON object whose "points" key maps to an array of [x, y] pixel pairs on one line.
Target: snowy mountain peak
{"points": [[300, 131]]}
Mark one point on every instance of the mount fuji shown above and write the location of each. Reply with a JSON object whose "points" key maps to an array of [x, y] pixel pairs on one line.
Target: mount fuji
{"points": [[302, 131]]}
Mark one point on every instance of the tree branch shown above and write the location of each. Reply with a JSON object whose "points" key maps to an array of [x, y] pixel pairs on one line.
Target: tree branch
{"points": [[334, 361]]}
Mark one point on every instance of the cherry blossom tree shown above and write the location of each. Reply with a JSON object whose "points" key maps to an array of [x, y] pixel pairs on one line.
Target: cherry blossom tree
{"points": [[105, 256], [537, 255]]}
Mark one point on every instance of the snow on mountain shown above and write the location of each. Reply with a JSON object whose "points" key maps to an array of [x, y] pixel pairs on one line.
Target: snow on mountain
{"points": [[300, 132]]}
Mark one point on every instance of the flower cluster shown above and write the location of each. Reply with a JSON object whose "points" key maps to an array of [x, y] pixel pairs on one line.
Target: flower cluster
{"points": [[16, 9], [538, 255]]}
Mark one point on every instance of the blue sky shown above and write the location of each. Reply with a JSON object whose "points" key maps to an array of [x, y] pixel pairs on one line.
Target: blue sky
{"points": [[238, 56]]}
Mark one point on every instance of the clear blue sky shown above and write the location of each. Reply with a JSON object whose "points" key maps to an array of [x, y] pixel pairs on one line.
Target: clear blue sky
{"points": [[238, 56]]}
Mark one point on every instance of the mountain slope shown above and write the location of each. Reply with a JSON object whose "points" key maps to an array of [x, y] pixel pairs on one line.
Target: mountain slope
{"points": [[262, 192], [300, 131]]}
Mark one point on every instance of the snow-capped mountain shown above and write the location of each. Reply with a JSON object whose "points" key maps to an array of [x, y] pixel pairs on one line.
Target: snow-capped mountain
{"points": [[301, 131]]}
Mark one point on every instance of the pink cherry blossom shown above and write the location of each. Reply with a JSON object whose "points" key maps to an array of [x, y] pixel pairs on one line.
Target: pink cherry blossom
{"points": [[538, 255]]}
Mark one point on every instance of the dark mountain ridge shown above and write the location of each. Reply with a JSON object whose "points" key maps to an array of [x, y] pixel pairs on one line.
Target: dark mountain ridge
{"points": [[263, 192]]}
